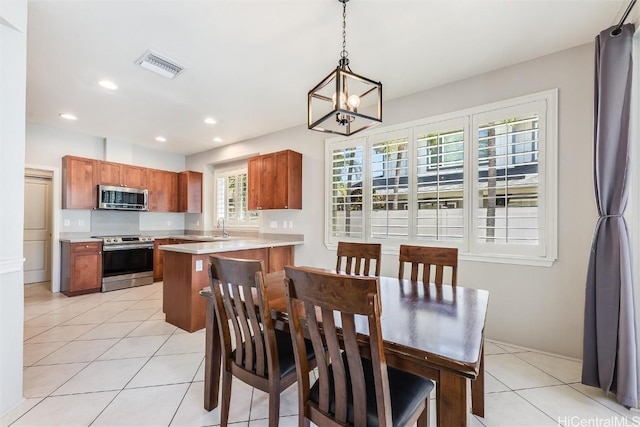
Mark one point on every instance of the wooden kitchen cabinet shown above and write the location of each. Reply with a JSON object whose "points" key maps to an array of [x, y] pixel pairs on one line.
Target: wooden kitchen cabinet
{"points": [[275, 181], [158, 258], [163, 190], [121, 175], [79, 189], [279, 256], [190, 192], [158, 255], [182, 303], [81, 268]]}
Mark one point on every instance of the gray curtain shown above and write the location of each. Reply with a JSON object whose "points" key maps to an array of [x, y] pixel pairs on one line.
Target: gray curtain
{"points": [[610, 359]]}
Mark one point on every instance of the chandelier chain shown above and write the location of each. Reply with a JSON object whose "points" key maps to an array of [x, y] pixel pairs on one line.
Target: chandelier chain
{"points": [[344, 52]]}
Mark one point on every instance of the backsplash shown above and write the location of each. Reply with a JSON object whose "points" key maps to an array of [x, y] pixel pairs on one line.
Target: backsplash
{"points": [[104, 222], [161, 221]]}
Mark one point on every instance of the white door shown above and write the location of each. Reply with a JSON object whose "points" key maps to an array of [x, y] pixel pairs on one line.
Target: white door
{"points": [[37, 226]]}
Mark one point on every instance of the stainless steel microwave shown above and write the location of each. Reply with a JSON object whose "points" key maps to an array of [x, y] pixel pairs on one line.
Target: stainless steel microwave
{"points": [[122, 198]]}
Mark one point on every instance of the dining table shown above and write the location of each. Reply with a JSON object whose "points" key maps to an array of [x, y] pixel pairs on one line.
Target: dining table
{"points": [[434, 331]]}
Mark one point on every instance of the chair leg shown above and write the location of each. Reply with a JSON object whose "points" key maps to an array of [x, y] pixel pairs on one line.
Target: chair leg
{"points": [[423, 419], [226, 398], [274, 408]]}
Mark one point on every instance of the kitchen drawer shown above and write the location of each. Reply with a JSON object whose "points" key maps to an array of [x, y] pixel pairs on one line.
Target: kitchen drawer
{"points": [[86, 247]]}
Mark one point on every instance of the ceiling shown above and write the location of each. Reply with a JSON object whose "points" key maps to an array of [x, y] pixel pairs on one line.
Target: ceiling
{"points": [[250, 63]]}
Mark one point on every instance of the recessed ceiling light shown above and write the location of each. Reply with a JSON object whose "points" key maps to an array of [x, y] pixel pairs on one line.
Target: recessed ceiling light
{"points": [[210, 121], [217, 139], [161, 139], [107, 84], [68, 116]]}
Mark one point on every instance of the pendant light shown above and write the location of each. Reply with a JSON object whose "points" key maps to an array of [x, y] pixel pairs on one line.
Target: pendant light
{"points": [[344, 102]]}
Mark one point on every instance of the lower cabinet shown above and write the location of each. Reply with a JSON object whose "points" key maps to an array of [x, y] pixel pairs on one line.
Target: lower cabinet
{"points": [[279, 256], [81, 268], [158, 263], [158, 255]]}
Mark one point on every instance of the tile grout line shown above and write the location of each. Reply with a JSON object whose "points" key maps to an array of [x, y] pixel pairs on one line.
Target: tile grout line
{"points": [[563, 383], [90, 362]]}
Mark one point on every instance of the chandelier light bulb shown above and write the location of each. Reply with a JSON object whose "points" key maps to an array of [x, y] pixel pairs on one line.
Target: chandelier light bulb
{"points": [[353, 101], [343, 100]]}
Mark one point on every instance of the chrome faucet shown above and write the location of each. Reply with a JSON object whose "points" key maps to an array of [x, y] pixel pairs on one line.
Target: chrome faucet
{"points": [[221, 225]]}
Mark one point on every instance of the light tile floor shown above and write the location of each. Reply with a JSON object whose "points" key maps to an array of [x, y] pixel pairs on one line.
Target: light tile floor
{"points": [[111, 360]]}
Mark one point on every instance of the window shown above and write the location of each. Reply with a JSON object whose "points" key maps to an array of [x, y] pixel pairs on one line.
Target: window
{"points": [[231, 199], [483, 180]]}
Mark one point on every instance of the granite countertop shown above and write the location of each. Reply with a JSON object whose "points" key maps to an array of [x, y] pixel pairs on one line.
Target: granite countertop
{"points": [[211, 241], [235, 244]]}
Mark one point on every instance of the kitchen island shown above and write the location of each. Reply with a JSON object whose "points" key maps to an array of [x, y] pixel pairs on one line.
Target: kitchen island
{"points": [[185, 271]]}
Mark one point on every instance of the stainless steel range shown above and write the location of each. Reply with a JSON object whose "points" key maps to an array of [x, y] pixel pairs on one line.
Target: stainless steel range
{"points": [[127, 261]]}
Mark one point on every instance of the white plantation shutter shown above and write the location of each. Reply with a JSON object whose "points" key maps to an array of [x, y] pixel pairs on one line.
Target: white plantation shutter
{"points": [[346, 198], [221, 185], [231, 199], [483, 180], [389, 205], [439, 184], [507, 198]]}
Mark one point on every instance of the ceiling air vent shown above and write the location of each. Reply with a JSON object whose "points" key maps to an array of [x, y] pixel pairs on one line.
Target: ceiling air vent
{"points": [[157, 63]]}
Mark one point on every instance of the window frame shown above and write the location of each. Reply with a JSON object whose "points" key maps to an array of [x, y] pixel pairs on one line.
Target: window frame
{"points": [[542, 254]]}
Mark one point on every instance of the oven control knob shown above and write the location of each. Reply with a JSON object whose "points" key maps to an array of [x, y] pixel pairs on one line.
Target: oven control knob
{"points": [[108, 240]]}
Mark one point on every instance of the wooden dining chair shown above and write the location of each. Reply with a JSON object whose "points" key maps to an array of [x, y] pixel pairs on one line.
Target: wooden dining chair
{"points": [[263, 356], [358, 258], [428, 257], [350, 390]]}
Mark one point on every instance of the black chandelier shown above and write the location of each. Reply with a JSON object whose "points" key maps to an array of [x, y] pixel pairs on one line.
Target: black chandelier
{"points": [[344, 102]]}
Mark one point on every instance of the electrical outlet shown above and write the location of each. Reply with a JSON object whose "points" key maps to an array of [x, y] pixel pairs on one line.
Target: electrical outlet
{"points": [[67, 223], [197, 223], [273, 224], [198, 265], [81, 223], [168, 223], [290, 224], [285, 224]]}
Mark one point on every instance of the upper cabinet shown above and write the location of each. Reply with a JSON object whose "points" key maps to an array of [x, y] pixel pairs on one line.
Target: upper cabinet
{"points": [[78, 183], [275, 181], [163, 190], [168, 191], [122, 175], [190, 192]]}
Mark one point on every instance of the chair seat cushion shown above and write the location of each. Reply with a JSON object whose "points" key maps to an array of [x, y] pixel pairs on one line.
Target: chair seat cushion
{"points": [[407, 392], [286, 359]]}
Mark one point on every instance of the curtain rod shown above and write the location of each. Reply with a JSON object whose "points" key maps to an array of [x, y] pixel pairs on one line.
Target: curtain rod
{"points": [[616, 30]]}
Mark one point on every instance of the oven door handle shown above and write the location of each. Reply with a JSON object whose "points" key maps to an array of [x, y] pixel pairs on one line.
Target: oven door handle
{"points": [[108, 248]]}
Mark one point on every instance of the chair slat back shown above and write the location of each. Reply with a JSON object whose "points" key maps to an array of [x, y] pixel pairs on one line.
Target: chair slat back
{"points": [[429, 257], [359, 258], [238, 287], [342, 297]]}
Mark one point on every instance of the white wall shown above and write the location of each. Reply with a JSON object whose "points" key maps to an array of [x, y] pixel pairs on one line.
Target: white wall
{"points": [[538, 307], [13, 60], [47, 145]]}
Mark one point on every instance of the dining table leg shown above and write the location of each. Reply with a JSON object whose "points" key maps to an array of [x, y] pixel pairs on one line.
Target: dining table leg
{"points": [[452, 400], [477, 389], [213, 354]]}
